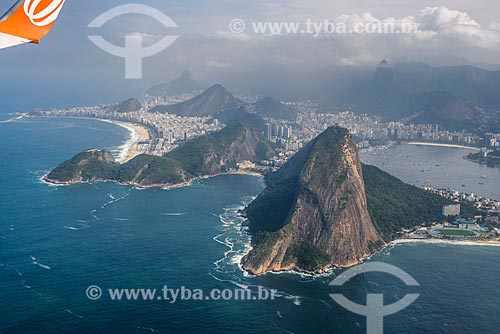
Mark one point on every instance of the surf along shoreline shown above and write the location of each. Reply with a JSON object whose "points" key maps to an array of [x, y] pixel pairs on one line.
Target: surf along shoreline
{"points": [[186, 183], [129, 148], [138, 133], [141, 133]]}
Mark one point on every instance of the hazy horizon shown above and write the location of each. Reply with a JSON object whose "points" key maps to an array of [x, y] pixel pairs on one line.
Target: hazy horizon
{"points": [[67, 69]]}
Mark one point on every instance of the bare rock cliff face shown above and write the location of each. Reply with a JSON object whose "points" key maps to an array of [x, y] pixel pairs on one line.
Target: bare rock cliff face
{"points": [[327, 222]]}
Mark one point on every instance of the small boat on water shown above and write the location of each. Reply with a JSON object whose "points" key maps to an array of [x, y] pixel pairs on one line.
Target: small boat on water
{"points": [[484, 176]]}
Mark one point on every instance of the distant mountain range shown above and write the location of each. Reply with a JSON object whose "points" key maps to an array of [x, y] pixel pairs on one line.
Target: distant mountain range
{"points": [[212, 101], [454, 97], [129, 105], [450, 96], [185, 84], [271, 108], [218, 102], [243, 116]]}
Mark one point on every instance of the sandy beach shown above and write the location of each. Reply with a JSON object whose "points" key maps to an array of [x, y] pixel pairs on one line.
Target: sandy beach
{"points": [[129, 149]]}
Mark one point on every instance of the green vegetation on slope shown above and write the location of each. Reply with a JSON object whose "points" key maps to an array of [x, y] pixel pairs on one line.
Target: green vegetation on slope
{"points": [[271, 108], [220, 151], [149, 169], [394, 204], [308, 257], [241, 115], [208, 155], [268, 212], [87, 165]]}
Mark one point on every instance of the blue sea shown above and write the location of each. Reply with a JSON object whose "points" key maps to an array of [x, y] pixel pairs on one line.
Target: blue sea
{"points": [[55, 242], [445, 167]]}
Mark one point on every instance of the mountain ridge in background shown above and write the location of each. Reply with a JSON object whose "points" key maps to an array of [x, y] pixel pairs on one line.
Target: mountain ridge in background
{"points": [[271, 108], [129, 105], [241, 115], [207, 104], [450, 96], [218, 102], [184, 84]]}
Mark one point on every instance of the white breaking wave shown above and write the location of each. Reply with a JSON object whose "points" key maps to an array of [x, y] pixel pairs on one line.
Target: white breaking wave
{"points": [[93, 214], [234, 236], [80, 226], [152, 330], [35, 262], [12, 119], [122, 152], [114, 200], [73, 313]]}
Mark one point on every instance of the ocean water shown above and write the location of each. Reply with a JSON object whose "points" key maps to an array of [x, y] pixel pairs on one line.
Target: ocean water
{"points": [[437, 167], [55, 242]]}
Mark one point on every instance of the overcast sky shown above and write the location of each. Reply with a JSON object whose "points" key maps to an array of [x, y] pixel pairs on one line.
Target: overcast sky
{"points": [[67, 69]]}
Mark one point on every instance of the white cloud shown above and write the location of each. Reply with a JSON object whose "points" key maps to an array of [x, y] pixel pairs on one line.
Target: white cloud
{"points": [[218, 64], [443, 37], [144, 38], [454, 25], [434, 24], [442, 18], [494, 26], [232, 36]]}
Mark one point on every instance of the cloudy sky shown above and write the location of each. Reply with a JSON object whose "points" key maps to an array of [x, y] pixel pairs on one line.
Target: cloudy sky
{"points": [[67, 69]]}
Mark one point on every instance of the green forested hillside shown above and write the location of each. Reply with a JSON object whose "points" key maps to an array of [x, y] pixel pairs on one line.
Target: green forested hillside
{"points": [[207, 155], [394, 204]]}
